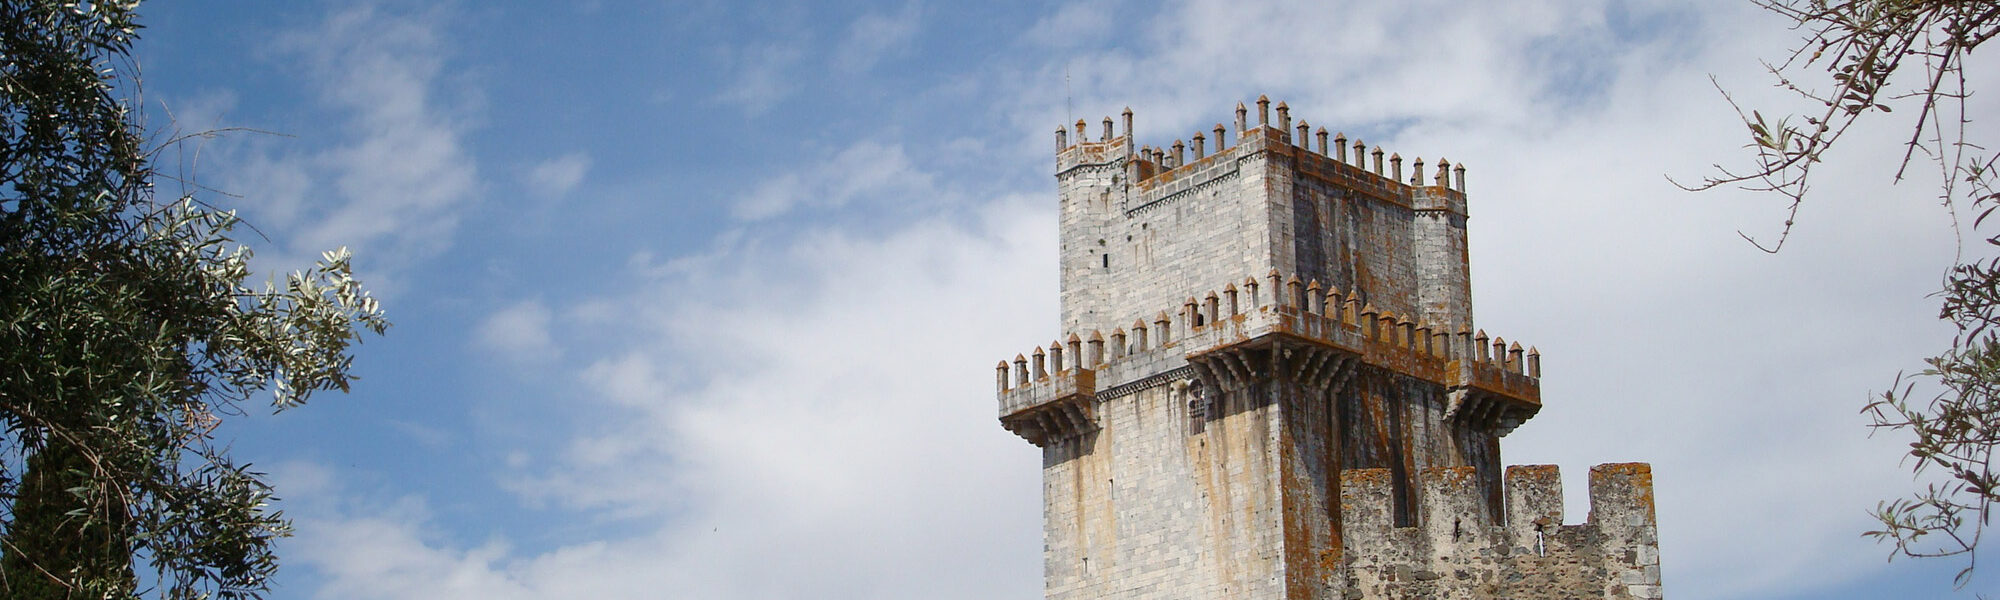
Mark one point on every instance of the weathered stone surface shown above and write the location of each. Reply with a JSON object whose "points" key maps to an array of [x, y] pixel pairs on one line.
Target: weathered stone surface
{"points": [[1291, 401]]}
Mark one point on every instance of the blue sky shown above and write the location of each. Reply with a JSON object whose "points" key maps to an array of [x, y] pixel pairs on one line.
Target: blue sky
{"points": [[699, 299]]}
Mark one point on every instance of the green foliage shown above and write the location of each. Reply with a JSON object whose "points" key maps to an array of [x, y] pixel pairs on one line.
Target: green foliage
{"points": [[1869, 55], [125, 329], [77, 549]]}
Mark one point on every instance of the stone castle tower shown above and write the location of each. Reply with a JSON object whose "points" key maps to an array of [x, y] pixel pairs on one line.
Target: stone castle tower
{"points": [[1269, 386]]}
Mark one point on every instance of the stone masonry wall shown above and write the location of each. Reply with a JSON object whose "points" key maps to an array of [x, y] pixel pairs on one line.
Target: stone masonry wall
{"points": [[1150, 509], [1139, 227], [1462, 549]]}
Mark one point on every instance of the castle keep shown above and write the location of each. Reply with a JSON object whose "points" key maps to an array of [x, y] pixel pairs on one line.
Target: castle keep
{"points": [[1268, 385]]}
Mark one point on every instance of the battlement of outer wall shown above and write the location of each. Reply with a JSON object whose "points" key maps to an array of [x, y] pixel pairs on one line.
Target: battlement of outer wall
{"points": [[1458, 549], [1049, 394]]}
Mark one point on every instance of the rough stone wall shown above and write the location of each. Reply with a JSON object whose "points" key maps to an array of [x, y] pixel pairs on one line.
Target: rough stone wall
{"points": [[1153, 509], [1463, 549]]}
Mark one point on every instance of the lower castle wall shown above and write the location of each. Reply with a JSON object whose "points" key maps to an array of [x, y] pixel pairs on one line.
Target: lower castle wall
{"points": [[1460, 549]]}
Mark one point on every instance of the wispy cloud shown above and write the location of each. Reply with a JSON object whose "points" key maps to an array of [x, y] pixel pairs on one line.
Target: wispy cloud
{"points": [[765, 74], [555, 177], [519, 332], [1086, 23], [865, 170], [875, 36], [393, 182]]}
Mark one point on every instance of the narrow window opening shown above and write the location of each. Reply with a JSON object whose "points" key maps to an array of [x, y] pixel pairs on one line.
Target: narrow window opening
{"points": [[1107, 261], [1455, 529], [1541, 549]]}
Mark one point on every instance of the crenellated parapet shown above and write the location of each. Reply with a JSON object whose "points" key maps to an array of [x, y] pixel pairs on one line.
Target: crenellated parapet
{"points": [[1352, 164], [1269, 326], [1458, 549]]}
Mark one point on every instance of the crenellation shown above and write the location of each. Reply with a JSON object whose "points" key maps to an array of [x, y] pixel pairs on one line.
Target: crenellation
{"points": [[1454, 513], [1534, 504], [1076, 351], [1373, 336], [1096, 349], [1128, 129]]}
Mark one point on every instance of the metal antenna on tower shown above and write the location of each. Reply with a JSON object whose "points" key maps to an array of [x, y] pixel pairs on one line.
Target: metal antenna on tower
{"points": [[1069, 103]]}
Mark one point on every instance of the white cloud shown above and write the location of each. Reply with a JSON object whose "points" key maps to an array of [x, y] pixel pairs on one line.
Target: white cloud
{"points": [[393, 183], [865, 170], [555, 177], [876, 36], [519, 332], [765, 75], [1074, 24], [812, 408]]}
